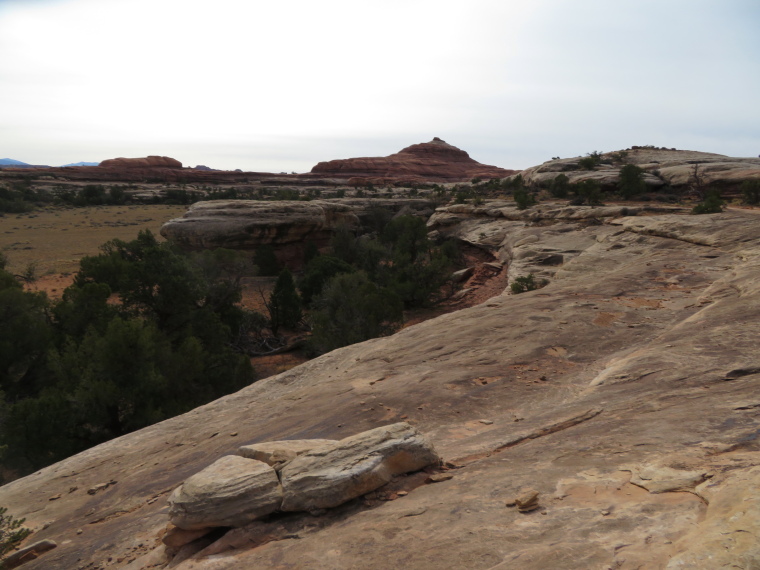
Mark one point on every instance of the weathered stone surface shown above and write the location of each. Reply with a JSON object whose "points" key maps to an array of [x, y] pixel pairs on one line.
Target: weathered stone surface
{"points": [[651, 319], [432, 161], [658, 479], [285, 225], [330, 475], [727, 536], [661, 166], [232, 491], [28, 553], [277, 452], [177, 537]]}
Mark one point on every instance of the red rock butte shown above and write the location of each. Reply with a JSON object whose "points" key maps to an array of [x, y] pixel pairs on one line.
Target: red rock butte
{"points": [[147, 162], [432, 161]]}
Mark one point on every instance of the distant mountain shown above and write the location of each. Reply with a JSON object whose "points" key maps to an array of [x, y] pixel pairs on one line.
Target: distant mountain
{"points": [[83, 164], [18, 164]]}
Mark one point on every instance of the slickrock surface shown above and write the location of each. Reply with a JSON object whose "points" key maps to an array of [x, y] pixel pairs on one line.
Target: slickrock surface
{"points": [[432, 161], [638, 363], [661, 166]]}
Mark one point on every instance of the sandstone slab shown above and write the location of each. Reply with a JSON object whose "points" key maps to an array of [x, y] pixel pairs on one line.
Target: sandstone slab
{"points": [[232, 491], [330, 475], [275, 453]]}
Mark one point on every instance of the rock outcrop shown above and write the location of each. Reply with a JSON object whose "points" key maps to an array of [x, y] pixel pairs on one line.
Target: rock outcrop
{"points": [[623, 395], [147, 162], [330, 475], [285, 225], [675, 168], [317, 474], [232, 491], [432, 161]]}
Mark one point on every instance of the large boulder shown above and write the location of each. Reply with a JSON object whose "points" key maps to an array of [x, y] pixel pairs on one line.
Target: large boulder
{"points": [[432, 161], [232, 491], [330, 475], [275, 453]]}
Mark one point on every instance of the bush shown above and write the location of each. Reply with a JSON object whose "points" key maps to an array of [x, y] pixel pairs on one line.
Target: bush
{"points": [[353, 309], [523, 198], [751, 191], [712, 204], [559, 187], [631, 181], [587, 192], [318, 272], [11, 532], [591, 160], [529, 283], [284, 304]]}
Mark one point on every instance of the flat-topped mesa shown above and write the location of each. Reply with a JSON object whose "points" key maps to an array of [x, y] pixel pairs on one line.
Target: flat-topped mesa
{"points": [[434, 161], [146, 162]]}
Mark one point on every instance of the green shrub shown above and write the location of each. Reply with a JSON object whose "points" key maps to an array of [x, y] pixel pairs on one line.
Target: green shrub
{"points": [[587, 192], [631, 181], [751, 191], [353, 309], [11, 532], [559, 187], [591, 160], [527, 283], [712, 204], [523, 198], [284, 304], [318, 272]]}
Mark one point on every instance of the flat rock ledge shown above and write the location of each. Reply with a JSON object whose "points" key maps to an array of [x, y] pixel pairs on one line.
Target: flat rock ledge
{"points": [[298, 475]]}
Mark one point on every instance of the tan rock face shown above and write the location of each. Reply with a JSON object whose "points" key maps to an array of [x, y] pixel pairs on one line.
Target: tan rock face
{"points": [[330, 475], [432, 161], [285, 225], [277, 452], [661, 166], [641, 351], [232, 491]]}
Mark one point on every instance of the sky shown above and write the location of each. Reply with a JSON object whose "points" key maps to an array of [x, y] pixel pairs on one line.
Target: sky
{"points": [[277, 86]]}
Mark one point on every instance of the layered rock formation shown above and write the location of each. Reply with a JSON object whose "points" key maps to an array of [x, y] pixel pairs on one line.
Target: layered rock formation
{"points": [[619, 404], [432, 161], [285, 225], [675, 168], [147, 162]]}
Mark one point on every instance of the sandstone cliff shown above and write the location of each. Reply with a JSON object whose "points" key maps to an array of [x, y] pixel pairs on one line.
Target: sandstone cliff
{"points": [[624, 394], [285, 225], [432, 161]]}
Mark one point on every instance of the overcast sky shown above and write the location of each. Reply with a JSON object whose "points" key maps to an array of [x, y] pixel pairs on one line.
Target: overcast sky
{"points": [[281, 85]]}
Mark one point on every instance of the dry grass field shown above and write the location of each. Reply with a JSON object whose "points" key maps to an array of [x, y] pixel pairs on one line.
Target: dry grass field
{"points": [[54, 239]]}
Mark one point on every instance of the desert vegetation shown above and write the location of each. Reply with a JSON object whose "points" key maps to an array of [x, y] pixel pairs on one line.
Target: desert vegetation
{"points": [[145, 332]]}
